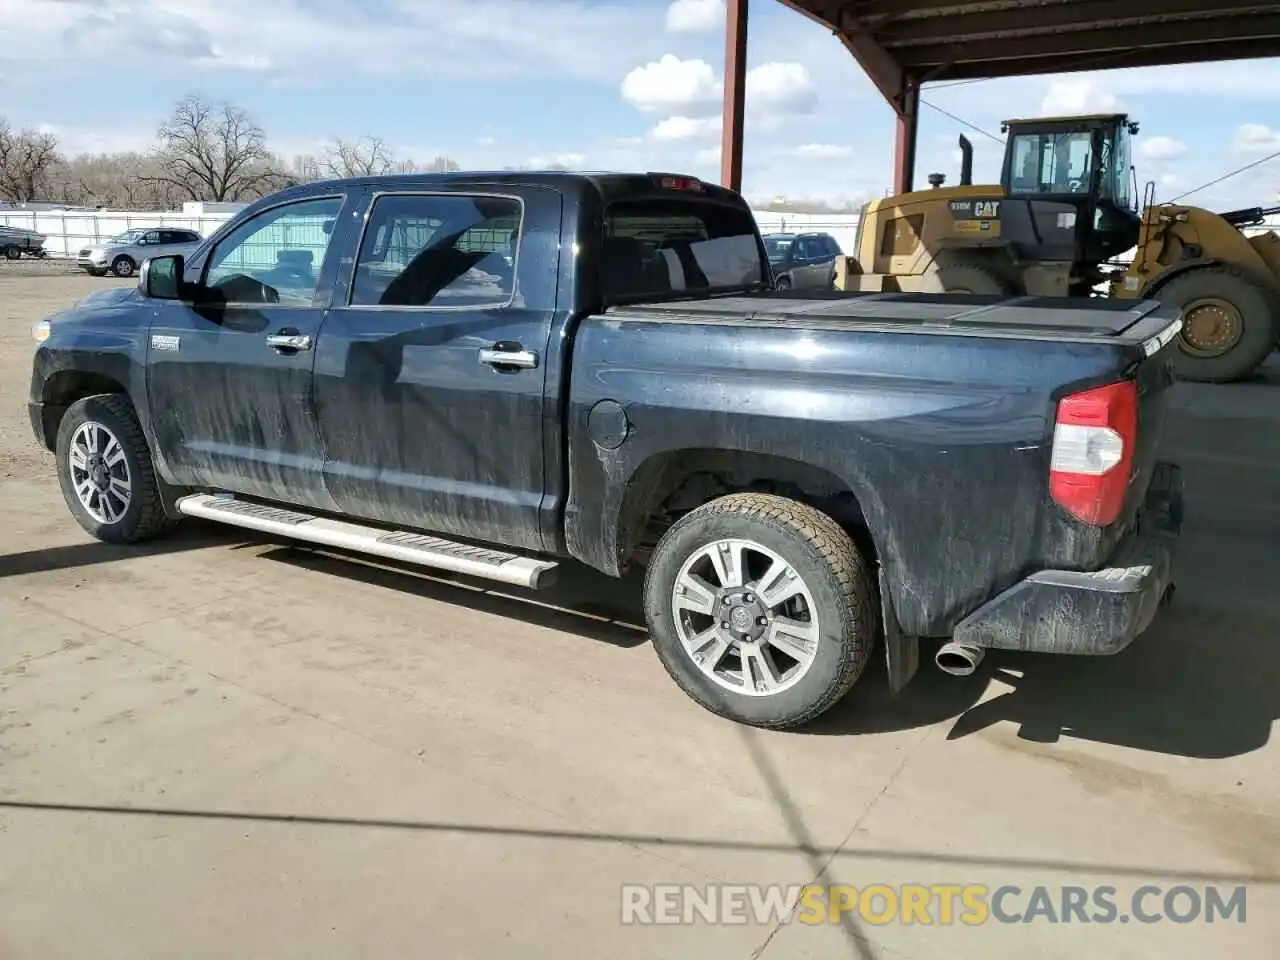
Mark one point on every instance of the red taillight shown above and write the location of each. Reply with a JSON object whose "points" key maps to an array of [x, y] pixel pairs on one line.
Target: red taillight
{"points": [[1093, 441], [667, 181]]}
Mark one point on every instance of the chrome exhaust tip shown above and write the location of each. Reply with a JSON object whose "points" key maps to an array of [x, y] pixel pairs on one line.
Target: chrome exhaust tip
{"points": [[959, 659]]}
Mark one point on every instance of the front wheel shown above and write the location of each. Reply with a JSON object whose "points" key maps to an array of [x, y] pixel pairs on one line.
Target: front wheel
{"points": [[12, 252], [123, 267], [104, 468], [1228, 323], [761, 609], [782, 283]]}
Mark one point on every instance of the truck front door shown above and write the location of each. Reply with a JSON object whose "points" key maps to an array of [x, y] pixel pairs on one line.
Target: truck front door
{"points": [[431, 367], [229, 372]]}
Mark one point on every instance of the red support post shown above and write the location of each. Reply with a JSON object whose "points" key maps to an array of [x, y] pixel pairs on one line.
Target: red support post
{"points": [[735, 93], [904, 151]]}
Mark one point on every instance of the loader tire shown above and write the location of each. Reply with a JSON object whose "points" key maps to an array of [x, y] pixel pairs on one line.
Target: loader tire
{"points": [[973, 278], [1229, 323]]}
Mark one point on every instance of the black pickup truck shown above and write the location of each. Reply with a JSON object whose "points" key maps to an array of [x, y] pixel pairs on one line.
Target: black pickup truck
{"points": [[494, 374]]}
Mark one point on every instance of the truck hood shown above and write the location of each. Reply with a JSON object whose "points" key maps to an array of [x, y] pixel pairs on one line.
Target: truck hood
{"points": [[102, 298]]}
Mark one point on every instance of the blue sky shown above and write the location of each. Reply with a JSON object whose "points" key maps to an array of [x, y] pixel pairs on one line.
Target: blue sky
{"points": [[596, 85]]}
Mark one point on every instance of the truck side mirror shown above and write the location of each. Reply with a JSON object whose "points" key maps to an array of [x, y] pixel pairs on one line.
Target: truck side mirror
{"points": [[161, 277]]}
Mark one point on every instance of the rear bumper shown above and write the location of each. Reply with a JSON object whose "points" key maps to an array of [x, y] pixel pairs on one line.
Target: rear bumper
{"points": [[1099, 613]]}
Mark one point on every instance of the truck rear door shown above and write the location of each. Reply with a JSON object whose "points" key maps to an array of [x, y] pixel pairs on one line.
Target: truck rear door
{"points": [[430, 367]]}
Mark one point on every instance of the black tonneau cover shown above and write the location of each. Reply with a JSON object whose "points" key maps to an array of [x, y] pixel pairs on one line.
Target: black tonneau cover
{"points": [[1039, 318]]}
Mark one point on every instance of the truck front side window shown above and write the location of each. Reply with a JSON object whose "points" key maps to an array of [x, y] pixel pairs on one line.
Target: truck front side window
{"points": [[275, 257]]}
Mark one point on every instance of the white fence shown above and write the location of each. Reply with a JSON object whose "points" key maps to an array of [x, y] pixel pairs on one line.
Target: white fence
{"points": [[70, 230]]}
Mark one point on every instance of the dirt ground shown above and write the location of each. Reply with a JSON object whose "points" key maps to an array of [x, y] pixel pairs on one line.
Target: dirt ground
{"points": [[215, 746]]}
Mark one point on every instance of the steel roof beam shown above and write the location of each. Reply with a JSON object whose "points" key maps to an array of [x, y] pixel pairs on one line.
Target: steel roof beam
{"points": [[1085, 15]]}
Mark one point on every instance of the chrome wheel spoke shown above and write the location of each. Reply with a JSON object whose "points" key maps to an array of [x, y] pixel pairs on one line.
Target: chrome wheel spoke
{"points": [[779, 584], [758, 670], [694, 593], [113, 453], [708, 649], [727, 557], [79, 461], [798, 639]]}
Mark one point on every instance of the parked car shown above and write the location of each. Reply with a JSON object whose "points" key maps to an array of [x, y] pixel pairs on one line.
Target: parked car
{"points": [[16, 241], [803, 261], [123, 254], [495, 373]]}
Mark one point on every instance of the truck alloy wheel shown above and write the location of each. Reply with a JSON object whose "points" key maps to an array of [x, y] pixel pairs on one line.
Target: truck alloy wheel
{"points": [[106, 473], [761, 609], [100, 472]]}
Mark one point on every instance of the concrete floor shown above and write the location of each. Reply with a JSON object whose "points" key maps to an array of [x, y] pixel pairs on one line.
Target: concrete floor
{"points": [[216, 747]]}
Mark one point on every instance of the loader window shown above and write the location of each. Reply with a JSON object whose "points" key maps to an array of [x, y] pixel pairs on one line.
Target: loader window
{"points": [[1051, 163], [1118, 170]]}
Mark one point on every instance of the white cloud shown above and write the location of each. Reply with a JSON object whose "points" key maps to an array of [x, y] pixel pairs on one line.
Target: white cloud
{"points": [[695, 16], [1256, 138], [686, 128], [120, 139], [822, 151], [777, 88], [689, 95], [1078, 95], [671, 85], [1159, 148], [297, 39], [486, 141], [574, 161], [708, 157]]}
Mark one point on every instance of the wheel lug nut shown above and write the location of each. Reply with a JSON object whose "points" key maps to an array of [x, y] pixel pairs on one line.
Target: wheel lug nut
{"points": [[748, 598], [762, 621], [724, 624], [727, 600]]}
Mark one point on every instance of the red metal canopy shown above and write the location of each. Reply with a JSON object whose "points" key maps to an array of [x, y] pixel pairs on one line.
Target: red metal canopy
{"points": [[902, 44]]}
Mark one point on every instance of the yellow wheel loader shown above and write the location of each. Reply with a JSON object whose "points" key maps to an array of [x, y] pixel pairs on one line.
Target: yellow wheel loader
{"points": [[1065, 209]]}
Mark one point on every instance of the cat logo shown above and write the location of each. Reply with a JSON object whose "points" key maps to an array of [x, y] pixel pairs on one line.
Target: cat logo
{"points": [[986, 209]]}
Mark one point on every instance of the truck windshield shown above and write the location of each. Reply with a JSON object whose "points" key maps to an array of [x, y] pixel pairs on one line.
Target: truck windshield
{"points": [[654, 248]]}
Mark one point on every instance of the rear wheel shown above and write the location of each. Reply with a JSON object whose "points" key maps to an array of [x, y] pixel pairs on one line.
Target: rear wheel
{"points": [[1228, 323], [761, 609], [12, 252], [782, 283]]}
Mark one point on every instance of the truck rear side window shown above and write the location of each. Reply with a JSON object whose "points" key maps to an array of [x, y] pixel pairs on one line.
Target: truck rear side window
{"points": [[438, 251], [655, 248]]}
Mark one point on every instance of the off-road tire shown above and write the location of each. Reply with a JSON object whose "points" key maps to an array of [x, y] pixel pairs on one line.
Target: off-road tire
{"points": [[1258, 308], [973, 278], [123, 267], [145, 517], [826, 559]]}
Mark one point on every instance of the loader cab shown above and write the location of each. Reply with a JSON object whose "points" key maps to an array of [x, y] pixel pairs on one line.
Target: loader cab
{"points": [[1085, 163]]}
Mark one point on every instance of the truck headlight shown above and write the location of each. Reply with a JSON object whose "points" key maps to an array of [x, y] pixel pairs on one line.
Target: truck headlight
{"points": [[41, 331]]}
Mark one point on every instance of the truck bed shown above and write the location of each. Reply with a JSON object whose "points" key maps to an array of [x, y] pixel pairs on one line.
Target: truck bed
{"points": [[1116, 322]]}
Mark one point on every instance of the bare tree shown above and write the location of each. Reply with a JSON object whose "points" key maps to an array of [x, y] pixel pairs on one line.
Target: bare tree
{"points": [[441, 165], [214, 152], [368, 156], [26, 160]]}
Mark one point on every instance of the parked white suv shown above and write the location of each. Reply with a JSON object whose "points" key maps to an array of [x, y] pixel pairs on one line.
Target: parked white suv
{"points": [[123, 255]]}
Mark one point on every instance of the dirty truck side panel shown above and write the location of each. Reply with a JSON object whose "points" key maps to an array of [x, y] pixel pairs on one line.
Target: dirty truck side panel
{"points": [[943, 441], [416, 427], [228, 409]]}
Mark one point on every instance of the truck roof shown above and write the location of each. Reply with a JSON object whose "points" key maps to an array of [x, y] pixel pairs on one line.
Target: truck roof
{"points": [[606, 185]]}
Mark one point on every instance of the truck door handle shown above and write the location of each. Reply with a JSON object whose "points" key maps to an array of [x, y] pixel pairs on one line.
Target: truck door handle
{"points": [[524, 359], [289, 341]]}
